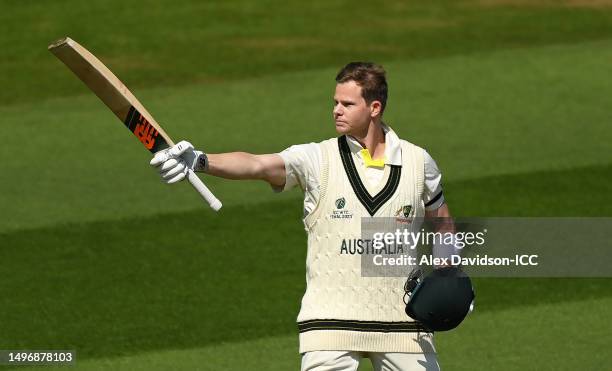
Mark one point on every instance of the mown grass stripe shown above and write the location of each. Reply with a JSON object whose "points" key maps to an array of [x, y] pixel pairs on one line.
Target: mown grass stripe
{"points": [[550, 326], [192, 279]]}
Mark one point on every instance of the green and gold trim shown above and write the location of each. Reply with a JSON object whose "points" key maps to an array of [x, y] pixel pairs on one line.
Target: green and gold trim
{"points": [[371, 203]]}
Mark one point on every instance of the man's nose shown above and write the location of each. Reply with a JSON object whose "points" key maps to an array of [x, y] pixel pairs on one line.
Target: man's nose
{"points": [[337, 110]]}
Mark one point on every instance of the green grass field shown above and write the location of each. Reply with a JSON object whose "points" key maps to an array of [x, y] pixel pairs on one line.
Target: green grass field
{"points": [[510, 97]]}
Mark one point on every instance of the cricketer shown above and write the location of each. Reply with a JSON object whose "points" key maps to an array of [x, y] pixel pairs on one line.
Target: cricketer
{"points": [[367, 171]]}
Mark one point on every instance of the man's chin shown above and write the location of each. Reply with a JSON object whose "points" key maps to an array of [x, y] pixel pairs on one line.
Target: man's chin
{"points": [[342, 129]]}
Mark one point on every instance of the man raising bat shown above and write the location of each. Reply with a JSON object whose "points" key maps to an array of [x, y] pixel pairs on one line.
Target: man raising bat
{"points": [[365, 172]]}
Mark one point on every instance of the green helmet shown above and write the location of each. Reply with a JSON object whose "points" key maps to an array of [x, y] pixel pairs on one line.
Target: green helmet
{"points": [[441, 300]]}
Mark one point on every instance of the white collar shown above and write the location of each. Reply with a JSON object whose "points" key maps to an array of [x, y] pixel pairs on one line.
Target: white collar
{"points": [[393, 149]]}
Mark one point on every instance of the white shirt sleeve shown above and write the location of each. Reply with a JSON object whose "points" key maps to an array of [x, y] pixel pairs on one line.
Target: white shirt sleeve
{"points": [[303, 168], [432, 194]]}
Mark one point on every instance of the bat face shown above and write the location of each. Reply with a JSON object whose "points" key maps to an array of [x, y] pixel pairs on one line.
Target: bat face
{"points": [[112, 92], [144, 131]]}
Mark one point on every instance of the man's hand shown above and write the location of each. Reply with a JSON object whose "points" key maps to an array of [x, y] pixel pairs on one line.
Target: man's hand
{"points": [[174, 163]]}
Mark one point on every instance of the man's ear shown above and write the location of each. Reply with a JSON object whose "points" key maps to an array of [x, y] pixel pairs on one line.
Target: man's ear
{"points": [[375, 108]]}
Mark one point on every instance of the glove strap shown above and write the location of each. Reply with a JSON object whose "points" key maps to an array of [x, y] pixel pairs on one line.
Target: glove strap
{"points": [[202, 163]]}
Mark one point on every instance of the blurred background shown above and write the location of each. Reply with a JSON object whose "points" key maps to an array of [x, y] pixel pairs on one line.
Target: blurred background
{"points": [[510, 97]]}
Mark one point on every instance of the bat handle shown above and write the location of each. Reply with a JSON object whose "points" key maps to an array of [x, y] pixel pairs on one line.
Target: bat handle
{"points": [[197, 183]]}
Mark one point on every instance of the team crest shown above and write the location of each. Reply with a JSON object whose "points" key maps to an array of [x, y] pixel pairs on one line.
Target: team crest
{"points": [[403, 214], [406, 210], [341, 212]]}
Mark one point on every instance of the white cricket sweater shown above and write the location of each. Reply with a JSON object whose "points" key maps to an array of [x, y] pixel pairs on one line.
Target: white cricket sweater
{"points": [[341, 310]]}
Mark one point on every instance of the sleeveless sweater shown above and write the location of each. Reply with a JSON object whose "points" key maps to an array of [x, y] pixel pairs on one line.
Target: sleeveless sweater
{"points": [[341, 310]]}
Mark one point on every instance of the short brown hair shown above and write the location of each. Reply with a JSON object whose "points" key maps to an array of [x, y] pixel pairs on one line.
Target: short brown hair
{"points": [[370, 76]]}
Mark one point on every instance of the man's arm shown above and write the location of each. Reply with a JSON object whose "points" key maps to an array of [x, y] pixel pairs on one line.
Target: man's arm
{"points": [[242, 165], [436, 209], [443, 222], [174, 163]]}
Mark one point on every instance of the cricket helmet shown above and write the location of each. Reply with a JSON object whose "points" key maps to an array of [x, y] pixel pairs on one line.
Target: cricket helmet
{"points": [[441, 300]]}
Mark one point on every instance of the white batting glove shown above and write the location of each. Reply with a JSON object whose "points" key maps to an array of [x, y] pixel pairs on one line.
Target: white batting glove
{"points": [[174, 163]]}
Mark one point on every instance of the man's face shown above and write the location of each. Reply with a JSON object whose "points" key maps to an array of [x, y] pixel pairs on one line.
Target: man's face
{"points": [[351, 112]]}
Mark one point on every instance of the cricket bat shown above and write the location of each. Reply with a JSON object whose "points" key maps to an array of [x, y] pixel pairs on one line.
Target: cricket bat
{"points": [[122, 102]]}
